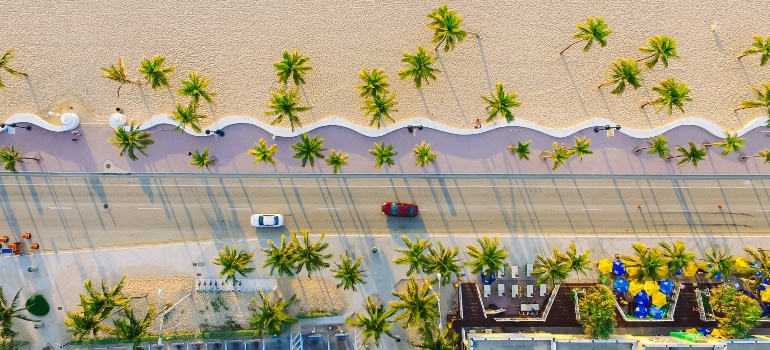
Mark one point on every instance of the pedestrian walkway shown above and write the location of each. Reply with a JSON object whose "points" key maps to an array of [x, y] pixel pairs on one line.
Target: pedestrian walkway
{"points": [[477, 153]]}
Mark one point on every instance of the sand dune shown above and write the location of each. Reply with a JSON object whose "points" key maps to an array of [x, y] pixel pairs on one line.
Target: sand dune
{"points": [[62, 45]]}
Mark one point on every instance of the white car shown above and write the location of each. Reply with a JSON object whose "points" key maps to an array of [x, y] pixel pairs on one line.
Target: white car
{"points": [[267, 220]]}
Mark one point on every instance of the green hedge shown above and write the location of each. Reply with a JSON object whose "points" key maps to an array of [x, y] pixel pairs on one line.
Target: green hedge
{"points": [[246, 333], [37, 305]]}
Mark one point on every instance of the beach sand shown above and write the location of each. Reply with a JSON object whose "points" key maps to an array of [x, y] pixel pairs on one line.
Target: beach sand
{"points": [[62, 46]]}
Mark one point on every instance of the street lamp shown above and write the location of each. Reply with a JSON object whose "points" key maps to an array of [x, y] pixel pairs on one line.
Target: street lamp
{"points": [[438, 301], [606, 127], [15, 125], [160, 330], [217, 132]]}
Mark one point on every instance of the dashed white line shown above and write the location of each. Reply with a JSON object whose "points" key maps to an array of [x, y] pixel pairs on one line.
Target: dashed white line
{"points": [[590, 209], [763, 209], [149, 208], [328, 208], [60, 208], [678, 210], [240, 208]]}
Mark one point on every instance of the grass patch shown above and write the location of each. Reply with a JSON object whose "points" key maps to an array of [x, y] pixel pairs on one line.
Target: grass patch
{"points": [[225, 335], [317, 314]]}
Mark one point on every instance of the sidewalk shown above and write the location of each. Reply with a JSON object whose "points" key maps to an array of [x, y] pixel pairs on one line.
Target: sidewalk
{"points": [[484, 153]]}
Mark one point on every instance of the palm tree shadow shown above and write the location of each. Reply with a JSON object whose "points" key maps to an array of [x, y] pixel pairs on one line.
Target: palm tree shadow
{"points": [[33, 94], [424, 103], [574, 85], [718, 42], [451, 87], [604, 100], [304, 94], [484, 62], [145, 101], [745, 73]]}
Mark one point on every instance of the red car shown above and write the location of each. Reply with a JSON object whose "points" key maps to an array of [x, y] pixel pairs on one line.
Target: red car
{"points": [[399, 209]]}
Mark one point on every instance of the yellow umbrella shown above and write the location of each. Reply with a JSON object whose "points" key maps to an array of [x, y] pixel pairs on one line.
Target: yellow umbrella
{"points": [[765, 295], [632, 271], [663, 271], [691, 330], [634, 288], [659, 299], [650, 287], [605, 266], [690, 269], [716, 333]]}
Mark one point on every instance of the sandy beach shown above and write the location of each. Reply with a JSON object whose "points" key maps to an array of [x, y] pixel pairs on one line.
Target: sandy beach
{"points": [[62, 46]]}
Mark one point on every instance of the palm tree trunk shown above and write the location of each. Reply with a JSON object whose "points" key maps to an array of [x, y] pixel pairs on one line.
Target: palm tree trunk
{"points": [[570, 45], [439, 44], [745, 54], [613, 81], [739, 108], [645, 58], [645, 104], [639, 149]]}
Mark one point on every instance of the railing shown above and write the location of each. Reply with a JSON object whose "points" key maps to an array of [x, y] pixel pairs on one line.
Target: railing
{"points": [[543, 315], [358, 340], [460, 296], [576, 293], [669, 317], [295, 342], [478, 292]]}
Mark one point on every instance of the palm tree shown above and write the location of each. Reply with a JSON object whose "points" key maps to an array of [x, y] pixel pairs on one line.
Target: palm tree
{"points": [[501, 103], [292, 66], [761, 265], [195, 88], [308, 149], [759, 46], [660, 48], [623, 71], [694, 154], [578, 263], [234, 261], [375, 323], [658, 144], [486, 255], [10, 156], [443, 261], [154, 72], [336, 160], [560, 155], [446, 26], [419, 304], [81, 324], [310, 255], [272, 317], [117, 74], [731, 143], [284, 104], [103, 303], [7, 57], [676, 256], [8, 312], [597, 312], [650, 262], [718, 263], [433, 339], [763, 100], [374, 83], [349, 272], [383, 154], [262, 153], [414, 254], [202, 159], [521, 149], [379, 107], [593, 30], [672, 94], [131, 140], [280, 257], [187, 117], [131, 329], [423, 154], [762, 154], [582, 147], [420, 67], [554, 270]]}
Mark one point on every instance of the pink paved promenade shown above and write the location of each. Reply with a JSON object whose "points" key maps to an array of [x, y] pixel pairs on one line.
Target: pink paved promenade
{"points": [[485, 153]]}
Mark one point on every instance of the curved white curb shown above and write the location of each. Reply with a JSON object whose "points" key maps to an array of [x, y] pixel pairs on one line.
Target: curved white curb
{"points": [[69, 121], [374, 132]]}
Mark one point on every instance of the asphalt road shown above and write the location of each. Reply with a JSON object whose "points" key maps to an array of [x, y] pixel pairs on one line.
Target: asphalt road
{"points": [[68, 212]]}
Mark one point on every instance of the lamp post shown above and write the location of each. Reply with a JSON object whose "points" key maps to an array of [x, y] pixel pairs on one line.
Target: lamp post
{"points": [[217, 132], [438, 301], [606, 127], [160, 330]]}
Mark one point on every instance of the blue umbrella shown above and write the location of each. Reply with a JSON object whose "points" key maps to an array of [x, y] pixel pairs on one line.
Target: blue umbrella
{"points": [[488, 277], [642, 298], [656, 312], [666, 286], [704, 331], [618, 269], [641, 311], [621, 285], [718, 275]]}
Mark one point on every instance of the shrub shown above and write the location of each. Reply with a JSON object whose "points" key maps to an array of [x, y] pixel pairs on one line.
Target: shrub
{"points": [[740, 313], [37, 305], [597, 312]]}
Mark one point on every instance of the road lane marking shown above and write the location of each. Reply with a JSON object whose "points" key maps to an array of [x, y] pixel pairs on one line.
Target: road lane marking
{"points": [[60, 208], [498, 209], [678, 210], [328, 208], [149, 208], [590, 209], [763, 209], [240, 208]]}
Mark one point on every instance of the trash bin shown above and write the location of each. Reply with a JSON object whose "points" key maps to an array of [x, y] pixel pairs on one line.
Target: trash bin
{"points": [[38, 325], [32, 268]]}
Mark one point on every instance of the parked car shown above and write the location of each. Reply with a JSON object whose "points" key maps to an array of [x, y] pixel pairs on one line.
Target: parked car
{"points": [[399, 209], [267, 220]]}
